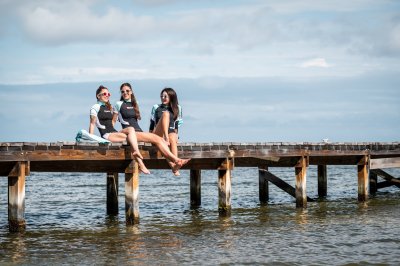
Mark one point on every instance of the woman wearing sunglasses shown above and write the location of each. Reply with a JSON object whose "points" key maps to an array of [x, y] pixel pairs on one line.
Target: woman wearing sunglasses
{"points": [[101, 116], [166, 118], [127, 112]]}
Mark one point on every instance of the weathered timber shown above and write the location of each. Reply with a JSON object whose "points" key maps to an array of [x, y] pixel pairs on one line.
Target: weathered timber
{"points": [[373, 182], [385, 163], [224, 185], [132, 194], [322, 181], [112, 193], [362, 173], [301, 174], [389, 178], [195, 188], [16, 197], [263, 192]]}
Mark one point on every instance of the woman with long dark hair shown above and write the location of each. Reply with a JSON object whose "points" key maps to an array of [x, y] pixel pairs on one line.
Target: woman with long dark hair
{"points": [[101, 116], [127, 112], [166, 119]]}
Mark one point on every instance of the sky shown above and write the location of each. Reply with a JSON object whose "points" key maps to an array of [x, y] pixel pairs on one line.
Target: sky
{"points": [[244, 71]]}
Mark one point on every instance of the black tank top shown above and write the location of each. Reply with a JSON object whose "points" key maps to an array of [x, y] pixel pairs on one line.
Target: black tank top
{"points": [[105, 120]]}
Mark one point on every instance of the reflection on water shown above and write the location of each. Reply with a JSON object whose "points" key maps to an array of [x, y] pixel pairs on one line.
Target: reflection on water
{"points": [[67, 224]]}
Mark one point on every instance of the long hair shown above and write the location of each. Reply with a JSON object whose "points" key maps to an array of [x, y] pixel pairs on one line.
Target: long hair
{"points": [[173, 101], [133, 100], [108, 104]]}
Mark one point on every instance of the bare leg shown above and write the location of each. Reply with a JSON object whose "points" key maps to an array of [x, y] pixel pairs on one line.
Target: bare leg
{"points": [[173, 140], [161, 128]]}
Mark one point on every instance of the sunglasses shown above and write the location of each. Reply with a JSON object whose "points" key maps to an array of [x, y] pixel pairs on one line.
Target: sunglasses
{"points": [[127, 91], [164, 96], [104, 94]]}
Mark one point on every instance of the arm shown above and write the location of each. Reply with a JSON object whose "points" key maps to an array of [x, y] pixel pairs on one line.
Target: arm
{"points": [[114, 119], [92, 124]]}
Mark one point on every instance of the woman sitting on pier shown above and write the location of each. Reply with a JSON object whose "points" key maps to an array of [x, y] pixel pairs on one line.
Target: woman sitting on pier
{"points": [[101, 116], [166, 118], [127, 111]]}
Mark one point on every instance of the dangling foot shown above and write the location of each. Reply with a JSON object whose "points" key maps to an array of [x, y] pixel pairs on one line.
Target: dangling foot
{"points": [[142, 167], [136, 154], [176, 173], [178, 164]]}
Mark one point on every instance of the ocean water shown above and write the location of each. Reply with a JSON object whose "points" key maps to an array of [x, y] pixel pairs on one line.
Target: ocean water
{"points": [[67, 222]]}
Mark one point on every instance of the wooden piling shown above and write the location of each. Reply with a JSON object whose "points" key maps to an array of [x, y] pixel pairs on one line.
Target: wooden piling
{"points": [[373, 182], [132, 194], [322, 181], [224, 185], [362, 170], [112, 193], [195, 188], [263, 192], [301, 174], [16, 197]]}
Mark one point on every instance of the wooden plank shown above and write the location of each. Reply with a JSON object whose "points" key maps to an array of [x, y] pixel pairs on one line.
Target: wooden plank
{"points": [[263, 193], [195, 188], [16, 198], [112, 193], [389, 178], [300, 188], [362, 173], [385, 163], [322, 181], [132, 194], [224, 186]]}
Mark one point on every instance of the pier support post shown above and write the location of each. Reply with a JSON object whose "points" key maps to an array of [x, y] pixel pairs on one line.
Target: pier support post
{"points": [[301, 173], [112, 193], [373, 182], [263, 192], [16, 197], [195, 188], [132, 194], [322, 181], [224, 186], [362, 169]]}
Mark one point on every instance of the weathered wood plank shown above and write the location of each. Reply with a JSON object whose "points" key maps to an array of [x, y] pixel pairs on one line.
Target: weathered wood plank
{"points": [[112, 193], [132, 194], [373, 182], [195, 188], [362, 173], [322, 181], [389, 178], [385, 163], [263, 192], [16, 198], [224, 186]]}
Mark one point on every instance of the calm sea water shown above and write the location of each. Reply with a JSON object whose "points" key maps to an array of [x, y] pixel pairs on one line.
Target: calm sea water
{"points": [[67, 223]]}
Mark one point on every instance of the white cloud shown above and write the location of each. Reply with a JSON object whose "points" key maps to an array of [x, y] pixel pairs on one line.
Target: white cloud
{"points": [[315, 62]]}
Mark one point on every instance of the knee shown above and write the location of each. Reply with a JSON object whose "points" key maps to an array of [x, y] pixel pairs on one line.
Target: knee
{"points": [[131, 130], [165, 115]]}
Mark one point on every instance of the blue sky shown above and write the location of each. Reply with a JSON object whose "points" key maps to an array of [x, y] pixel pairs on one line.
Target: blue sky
{"points": [[244, 70]]}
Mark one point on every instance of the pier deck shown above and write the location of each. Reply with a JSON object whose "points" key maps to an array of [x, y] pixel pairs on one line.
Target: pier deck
{"points": [[18, 159]]}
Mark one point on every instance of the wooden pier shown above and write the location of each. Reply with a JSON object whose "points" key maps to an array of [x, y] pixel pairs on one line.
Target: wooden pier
{"points": [[18, 159]]}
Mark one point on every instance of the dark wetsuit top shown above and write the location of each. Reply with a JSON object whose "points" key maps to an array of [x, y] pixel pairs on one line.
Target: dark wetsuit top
{"points": [[156, 114], [127, 115], [104, 118]]}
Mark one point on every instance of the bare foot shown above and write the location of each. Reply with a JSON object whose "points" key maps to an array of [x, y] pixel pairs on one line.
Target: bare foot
{"points": [[176, 173], [137, 154], [143, 168], [178, 164]]}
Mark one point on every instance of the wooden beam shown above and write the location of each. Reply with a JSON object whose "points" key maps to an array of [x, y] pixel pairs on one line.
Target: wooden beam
{"points": [[393, 162], [195, 188], [301, 178], [224, 186], [263, 193], [373, 182], [322, 181], [389, 178], [362, 173], [112, 193], [132, 194], [16, 197]]}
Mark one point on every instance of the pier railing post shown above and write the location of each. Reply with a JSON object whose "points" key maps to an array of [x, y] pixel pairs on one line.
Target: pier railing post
{"points": [[112, 193], [263, 192], [300, 190], [322, 181], [16, 197], [132, 193], [224, 185], [362, 172], [195, 188]]}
